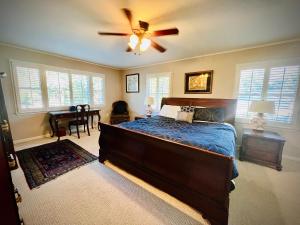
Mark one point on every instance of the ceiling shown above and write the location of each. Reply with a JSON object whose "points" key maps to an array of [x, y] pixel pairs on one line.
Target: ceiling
{"points": [[70, 27]]}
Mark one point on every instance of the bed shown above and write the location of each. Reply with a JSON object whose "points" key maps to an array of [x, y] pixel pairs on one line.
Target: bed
{"points": [[190, 172]]}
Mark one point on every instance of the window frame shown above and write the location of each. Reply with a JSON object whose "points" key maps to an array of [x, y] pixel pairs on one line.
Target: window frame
{"points": [[160, 74], [44, 89], [267, 66]]}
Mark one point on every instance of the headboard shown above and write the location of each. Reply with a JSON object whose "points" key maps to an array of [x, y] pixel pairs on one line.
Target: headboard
{"points": [[228, 104]]}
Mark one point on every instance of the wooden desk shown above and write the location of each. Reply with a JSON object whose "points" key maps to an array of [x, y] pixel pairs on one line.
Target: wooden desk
{"points": [[55, 116]]}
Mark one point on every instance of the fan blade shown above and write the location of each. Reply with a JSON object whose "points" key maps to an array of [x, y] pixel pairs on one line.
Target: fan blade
{"points": [[157, 46], [171, 31], [128, 49], [144, 25], [128, 14], [111, 33]]}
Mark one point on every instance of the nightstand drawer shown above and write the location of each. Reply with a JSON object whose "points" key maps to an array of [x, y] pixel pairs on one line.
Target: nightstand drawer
{"points": [[263, 145], [261, 155]]}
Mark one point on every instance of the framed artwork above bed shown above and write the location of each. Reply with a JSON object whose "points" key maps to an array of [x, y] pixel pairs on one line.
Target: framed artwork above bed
{"points": [[198, 82], [132, 83]]}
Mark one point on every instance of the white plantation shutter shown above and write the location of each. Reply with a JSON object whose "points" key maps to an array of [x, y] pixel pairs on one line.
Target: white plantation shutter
{"points": [[282, 89], [29, 88], [43, 88], [80, 89], [251, 88], [158, 86], [98, 90], [278, 84], [58, 89]]}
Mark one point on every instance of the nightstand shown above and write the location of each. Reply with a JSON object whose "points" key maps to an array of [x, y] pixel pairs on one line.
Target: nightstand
{"points": [[262, 147]]}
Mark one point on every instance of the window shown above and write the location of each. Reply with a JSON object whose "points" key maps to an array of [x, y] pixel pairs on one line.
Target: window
{"points": [[42, 88], [58, 89], [282, 89], [29, 93], [98, 90], [273, 83], [81, 89], [158, 86], [251, 88]]}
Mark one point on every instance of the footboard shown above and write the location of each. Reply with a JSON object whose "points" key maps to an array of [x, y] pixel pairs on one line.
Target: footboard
{"points": [[197, 177]]}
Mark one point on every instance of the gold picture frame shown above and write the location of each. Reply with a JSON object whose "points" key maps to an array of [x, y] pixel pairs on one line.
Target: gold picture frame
{"points": [[199, 82]]}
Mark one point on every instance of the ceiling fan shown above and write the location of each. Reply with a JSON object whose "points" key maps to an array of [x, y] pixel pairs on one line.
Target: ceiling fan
{"points": [[140, 39]]}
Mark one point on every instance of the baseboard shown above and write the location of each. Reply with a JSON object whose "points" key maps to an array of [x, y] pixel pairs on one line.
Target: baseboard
{"points": [[294, 158], [31, 138]]}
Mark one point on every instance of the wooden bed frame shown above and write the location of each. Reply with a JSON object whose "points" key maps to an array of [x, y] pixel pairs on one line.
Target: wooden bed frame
{"points": [[198, 177]]}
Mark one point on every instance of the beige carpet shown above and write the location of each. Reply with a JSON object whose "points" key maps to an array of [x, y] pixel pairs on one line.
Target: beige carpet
{"points": [[97, 194]]}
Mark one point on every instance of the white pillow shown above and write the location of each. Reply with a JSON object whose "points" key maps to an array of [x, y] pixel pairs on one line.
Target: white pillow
{"points": [[169, 111], [185, 116]]}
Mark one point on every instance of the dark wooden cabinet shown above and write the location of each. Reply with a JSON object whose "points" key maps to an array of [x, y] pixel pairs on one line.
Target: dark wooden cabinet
{"points": [[262, 147], [9, 210]]}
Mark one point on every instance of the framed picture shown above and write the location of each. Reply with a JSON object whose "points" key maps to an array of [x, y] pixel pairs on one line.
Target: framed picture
{"points": [[133, 83], [198, 82]]}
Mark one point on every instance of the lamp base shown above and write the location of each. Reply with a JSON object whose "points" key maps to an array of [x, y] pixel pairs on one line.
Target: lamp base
{"points": [[257, 123], [148, 111]]}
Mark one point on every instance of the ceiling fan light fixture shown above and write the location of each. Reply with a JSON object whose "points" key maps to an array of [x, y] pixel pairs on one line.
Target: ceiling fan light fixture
{"points": [[133, 41], [145, 44]]}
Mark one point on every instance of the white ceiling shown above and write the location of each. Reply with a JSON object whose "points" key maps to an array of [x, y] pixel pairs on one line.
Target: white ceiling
{"points": [[69, 27]]}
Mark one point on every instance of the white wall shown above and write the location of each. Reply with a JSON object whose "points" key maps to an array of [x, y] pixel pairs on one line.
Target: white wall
{"points": [[224, 81], [36, 124]]}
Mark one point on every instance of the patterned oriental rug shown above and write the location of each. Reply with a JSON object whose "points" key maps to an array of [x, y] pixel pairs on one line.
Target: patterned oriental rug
{"points": [[46, 162]]}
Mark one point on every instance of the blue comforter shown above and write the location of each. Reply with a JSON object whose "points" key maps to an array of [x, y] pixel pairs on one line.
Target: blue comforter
{"points": [[215, 137]]}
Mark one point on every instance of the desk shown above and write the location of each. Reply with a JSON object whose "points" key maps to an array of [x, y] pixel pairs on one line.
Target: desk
{"points": [[55, 116]]}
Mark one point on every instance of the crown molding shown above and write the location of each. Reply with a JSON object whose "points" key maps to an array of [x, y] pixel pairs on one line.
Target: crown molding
{"points": [[217, 53], [124, 69]]}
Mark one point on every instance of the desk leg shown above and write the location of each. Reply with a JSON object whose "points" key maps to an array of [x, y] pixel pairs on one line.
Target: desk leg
{"points": [[51, 126], [99, 118], [56, 128], [92, 121]]}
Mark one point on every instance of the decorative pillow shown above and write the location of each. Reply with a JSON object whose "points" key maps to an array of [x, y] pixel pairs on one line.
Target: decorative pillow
{"points": [[169, 111], [185, 116], [209, 114], [187, 108]]}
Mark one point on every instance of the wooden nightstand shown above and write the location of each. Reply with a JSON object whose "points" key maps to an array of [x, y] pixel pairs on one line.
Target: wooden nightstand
{"points": [[264, 148]]}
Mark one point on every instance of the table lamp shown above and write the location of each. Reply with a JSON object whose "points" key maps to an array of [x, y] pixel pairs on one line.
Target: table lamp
{"points": [[149, 102], [260, 107]]}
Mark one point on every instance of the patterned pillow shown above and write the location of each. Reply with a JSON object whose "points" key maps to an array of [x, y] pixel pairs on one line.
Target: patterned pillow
{"points": [[209, 114], [185, 116], [187, 108]]}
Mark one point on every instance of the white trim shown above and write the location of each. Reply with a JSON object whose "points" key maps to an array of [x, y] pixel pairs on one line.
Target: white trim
{"points": [[294, 158], [153, 64], [19, 141], [217, 53]]}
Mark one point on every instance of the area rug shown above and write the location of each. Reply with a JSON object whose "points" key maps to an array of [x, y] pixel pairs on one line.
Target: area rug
{"points": [[46, 162]]}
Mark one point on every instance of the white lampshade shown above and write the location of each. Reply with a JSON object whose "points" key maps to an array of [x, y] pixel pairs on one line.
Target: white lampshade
{"points": [[149, 101], [262, 107]]}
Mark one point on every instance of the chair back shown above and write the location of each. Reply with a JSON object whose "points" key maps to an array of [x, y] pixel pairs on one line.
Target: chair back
{"points": [[119, 107], [82, 113]]}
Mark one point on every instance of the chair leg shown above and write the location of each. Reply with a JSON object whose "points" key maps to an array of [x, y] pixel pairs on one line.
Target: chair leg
{"points": [[88, 129], [70, 131], [84, 127], [77, 128]]}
